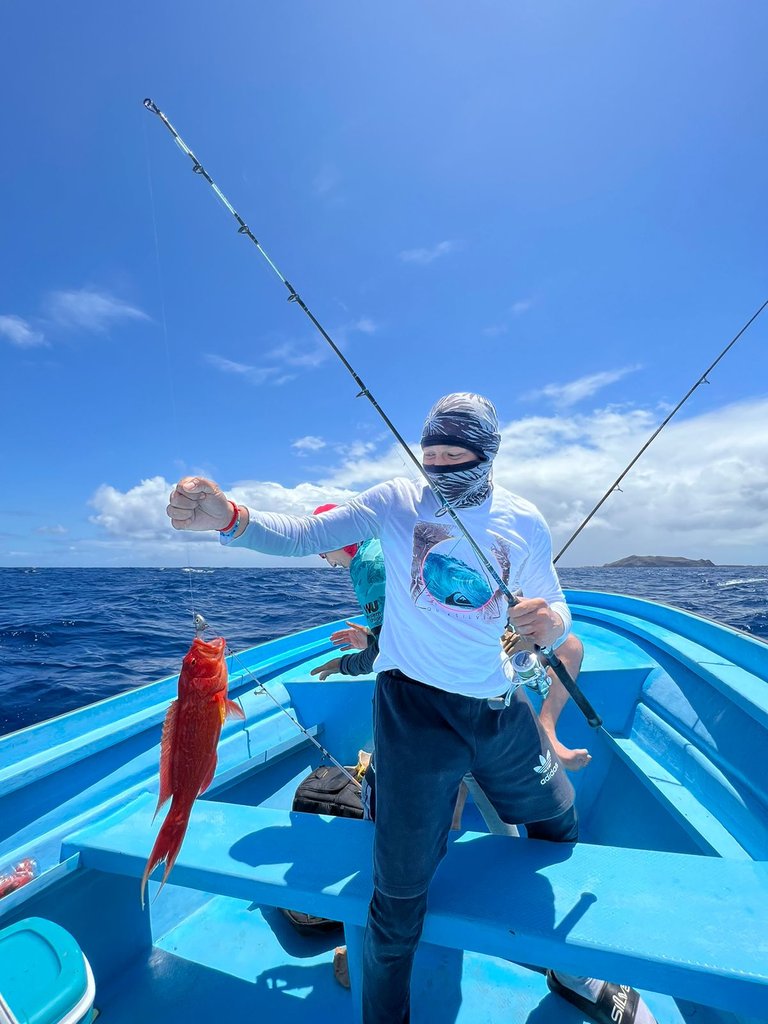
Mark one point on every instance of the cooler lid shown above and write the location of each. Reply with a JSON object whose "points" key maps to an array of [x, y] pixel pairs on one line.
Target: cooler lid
{"points": [[42, 971]]}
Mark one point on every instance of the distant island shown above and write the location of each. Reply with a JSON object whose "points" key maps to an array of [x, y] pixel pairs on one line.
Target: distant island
{"points": [[654, 561]]}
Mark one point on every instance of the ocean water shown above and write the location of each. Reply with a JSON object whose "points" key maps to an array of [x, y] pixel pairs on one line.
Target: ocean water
{"points": [[72, 636]]}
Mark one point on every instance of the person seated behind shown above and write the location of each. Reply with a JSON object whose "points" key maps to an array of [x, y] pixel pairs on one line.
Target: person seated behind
{"points": [[365, 562]]}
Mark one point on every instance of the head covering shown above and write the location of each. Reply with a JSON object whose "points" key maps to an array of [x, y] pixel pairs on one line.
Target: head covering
{"points": [[467, 421], [351, 549]]}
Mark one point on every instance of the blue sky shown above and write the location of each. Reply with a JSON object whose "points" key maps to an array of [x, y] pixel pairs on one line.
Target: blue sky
{"points": [[559, 205]]}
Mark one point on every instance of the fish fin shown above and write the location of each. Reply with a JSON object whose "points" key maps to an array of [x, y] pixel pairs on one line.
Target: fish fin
{"points": [[170, 861], [167, 844], [166, 755], [210, 771], [233, 710]]}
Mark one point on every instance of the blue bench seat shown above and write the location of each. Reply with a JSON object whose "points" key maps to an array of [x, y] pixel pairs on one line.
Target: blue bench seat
{"points": [[655, 920]]}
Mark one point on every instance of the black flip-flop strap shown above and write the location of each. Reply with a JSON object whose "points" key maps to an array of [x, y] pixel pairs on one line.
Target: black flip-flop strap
{"points": [[618, 1002]]}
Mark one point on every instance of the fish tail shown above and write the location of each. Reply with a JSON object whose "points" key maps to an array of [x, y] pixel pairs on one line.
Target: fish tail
{"points": [[167, 844]]}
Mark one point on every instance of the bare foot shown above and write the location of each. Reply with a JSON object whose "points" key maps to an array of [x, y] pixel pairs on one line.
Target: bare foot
{"points": [[571, 760]]}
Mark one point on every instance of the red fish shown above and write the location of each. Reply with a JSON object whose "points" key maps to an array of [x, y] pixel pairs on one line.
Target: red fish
{"points": [[188, 747]]}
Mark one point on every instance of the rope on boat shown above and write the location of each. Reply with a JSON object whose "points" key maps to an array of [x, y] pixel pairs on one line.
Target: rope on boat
{"points": [[702, 380], [548, 657]]}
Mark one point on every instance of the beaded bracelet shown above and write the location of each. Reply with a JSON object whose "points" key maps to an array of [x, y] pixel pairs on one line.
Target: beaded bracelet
{"points": [[231, 528]]}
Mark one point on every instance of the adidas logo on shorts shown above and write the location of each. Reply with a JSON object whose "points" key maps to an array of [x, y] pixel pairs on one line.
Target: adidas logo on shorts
{"points": [[546, 767]]}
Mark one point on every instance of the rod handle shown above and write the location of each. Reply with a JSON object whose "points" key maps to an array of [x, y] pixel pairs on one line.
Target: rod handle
{"points": [[581, 702]]}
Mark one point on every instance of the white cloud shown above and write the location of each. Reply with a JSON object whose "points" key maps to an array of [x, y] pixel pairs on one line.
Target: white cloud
{"points": [[138, 513], [296, 501], [253, 374], [584, 387], [502, 327], [20, 332], [90, 310], [281, 366], [365, 325], [289, 354], [699, 491], [52, 531], [424, 256], [228, 365], [85, 309], [356, 449], [308, 444], [359, 468], [138, 532], [284, 362]]}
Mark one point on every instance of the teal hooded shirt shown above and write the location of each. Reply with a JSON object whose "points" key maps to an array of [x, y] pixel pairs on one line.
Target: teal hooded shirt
{"points": [[367, 574]]}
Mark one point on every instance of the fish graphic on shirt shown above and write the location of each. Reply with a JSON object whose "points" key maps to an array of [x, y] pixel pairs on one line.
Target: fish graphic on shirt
{"points": [[445, 571]]}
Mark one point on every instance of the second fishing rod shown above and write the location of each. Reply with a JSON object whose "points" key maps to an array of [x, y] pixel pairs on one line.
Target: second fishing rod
{"points": [[548, 656]]}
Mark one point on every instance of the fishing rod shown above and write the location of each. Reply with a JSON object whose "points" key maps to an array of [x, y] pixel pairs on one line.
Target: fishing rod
{"points": [[549, 657], [702, 380]]}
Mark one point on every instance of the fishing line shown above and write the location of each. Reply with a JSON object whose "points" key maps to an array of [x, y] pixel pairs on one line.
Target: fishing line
{"points": [[702, 380], [549, 657], [168, 362], [201, 626]]}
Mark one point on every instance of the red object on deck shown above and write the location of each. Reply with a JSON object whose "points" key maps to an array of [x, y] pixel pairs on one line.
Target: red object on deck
{"points": [[16, 875]]}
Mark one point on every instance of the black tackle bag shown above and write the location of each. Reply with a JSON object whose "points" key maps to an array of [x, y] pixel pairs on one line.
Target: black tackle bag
{"points": [[326, 790]]}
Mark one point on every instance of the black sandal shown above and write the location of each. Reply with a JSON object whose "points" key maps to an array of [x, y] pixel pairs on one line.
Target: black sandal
{"points": [[616, 1004]]}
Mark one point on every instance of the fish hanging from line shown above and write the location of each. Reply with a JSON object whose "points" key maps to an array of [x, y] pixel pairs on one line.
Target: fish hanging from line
{"points": [[188, 747]]}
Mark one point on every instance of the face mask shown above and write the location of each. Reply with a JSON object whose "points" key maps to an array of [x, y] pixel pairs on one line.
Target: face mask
{"points": [[468, 421], [462, 486]]}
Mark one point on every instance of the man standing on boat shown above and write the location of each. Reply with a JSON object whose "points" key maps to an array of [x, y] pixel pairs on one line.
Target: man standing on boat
{"points": [[440, 671]]}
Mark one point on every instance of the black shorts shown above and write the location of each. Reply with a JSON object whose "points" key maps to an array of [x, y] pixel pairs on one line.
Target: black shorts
{"points": [[425, 741]]}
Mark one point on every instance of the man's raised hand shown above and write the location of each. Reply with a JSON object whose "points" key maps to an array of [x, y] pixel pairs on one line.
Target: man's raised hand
{"points": [[199, 504]]}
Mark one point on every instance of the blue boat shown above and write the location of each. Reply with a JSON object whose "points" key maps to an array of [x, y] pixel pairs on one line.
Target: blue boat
{"points": [[668, 891]]}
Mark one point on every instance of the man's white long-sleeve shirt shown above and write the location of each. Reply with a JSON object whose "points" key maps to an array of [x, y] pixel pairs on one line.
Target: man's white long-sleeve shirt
{"points": [[444, 613]]}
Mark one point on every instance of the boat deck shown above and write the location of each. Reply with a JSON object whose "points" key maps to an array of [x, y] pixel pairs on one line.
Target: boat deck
{"points": [[673, 776]]}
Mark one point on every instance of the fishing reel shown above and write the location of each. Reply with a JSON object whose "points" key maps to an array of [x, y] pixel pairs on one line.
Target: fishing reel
{"points": [[527, 669], [530, 672]]}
